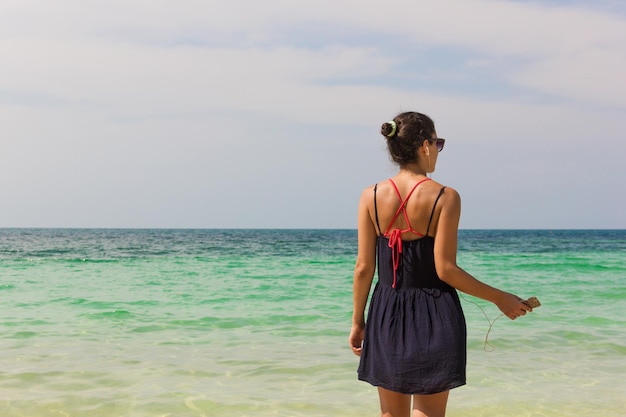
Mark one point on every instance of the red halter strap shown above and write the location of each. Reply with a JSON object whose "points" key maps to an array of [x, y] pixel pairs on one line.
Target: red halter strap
{"points": [[395, 235]]}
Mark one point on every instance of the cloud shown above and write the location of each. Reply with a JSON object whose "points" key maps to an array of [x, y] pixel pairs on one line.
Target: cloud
{"points": [[171, 53]]}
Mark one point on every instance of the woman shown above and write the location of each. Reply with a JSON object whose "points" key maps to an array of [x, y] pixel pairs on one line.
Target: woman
{"points": [[413, 345]]}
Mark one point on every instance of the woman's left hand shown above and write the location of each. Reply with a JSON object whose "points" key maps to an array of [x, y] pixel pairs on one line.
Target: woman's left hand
{"points": [[512, 306]]}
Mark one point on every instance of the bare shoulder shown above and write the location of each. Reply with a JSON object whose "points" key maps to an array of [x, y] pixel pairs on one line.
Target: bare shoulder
{"points": [[368, 191], [450, 199], [383, 189], [447, 193], [367, 195], [451, 194], [450, 203]]}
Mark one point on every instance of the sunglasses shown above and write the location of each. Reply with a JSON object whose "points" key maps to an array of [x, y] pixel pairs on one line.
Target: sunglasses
{"points": [[440, 143]]}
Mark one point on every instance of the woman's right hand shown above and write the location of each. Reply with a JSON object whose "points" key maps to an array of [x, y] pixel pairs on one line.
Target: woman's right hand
{"points": [[356, 338], [512, 306]]}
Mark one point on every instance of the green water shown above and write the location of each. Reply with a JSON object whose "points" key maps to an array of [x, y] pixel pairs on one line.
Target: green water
{"points": [[255, 323]]}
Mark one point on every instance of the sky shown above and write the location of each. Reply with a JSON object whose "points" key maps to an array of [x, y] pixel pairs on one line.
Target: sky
{"points": [[250, 114]]}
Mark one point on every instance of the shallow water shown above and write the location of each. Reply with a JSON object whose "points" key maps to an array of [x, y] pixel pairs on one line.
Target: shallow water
{"points": [[255, 323]]}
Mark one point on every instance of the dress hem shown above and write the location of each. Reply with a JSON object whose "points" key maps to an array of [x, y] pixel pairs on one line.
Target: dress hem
{"points": [[399, 390]]}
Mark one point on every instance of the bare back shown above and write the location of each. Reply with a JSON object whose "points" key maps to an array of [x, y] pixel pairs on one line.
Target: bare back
{"points": [[418, 206]]}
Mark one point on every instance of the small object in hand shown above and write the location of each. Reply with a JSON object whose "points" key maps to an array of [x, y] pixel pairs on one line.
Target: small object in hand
{"points": [[532, 302]]}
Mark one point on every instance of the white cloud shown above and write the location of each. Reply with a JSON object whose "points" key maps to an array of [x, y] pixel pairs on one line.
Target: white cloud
{"points": [[570, 53]]}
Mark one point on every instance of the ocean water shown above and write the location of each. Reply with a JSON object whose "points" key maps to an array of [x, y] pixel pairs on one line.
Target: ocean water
{"points": [[255, 323]]}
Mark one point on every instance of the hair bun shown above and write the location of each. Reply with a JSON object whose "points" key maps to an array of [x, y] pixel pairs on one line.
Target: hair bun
{"points": [[389, 129]]}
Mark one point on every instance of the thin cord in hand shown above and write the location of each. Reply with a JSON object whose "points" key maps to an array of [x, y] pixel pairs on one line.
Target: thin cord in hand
{"points": [[492, 347]]}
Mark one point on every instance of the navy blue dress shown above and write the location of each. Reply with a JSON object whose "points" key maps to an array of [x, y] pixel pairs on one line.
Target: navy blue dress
{"points": [[415, 333]]}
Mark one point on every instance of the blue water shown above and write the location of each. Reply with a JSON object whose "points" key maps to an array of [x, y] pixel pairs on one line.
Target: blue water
{"points": [[255, 323]]}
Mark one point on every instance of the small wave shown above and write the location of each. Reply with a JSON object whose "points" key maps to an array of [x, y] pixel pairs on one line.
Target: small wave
{"points": [[23, 335], [151, 328], [114, 314]]}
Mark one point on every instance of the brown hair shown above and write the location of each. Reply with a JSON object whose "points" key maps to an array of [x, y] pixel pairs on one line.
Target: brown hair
{"points": [[412, 129]]}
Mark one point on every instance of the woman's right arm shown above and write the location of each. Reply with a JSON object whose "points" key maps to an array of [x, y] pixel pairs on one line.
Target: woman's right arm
{"points": [[363, 270], [445, 261]]}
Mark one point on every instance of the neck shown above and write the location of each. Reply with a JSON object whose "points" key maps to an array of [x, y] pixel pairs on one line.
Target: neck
{"points": [[412, 169]]}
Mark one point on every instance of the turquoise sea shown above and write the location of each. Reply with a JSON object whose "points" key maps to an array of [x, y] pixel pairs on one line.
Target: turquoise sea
{"points": [[254, 323]]}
